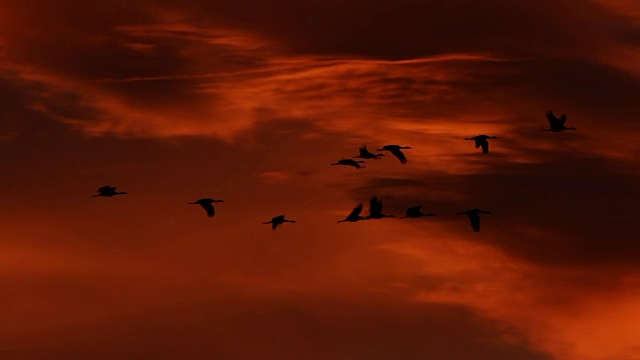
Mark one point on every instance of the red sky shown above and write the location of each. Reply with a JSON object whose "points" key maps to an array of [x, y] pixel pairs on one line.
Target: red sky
{"points": [[250, 101]]}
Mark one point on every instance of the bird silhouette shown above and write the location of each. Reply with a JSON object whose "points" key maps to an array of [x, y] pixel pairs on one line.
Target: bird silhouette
{"points": [[474, 217], [414, 212], [395, 150], [557, 124], [278, 220], [350, 162], [375, 209], [365, 154], [207, 205], [109, 191], [354, 215], [481, 141]]}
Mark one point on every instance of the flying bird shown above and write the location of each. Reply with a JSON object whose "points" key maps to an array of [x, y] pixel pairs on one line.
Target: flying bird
{"points": [[365, 154], [109, 191], [207, 205], [481, 141], [557, 124], [355, 215], [414, 212], [350, 162], [474, 217], [395, 150], [375, 209], [278, 220]]}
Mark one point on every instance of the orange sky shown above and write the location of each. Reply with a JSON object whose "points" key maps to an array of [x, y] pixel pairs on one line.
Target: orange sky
{"points": [[250, 101]]}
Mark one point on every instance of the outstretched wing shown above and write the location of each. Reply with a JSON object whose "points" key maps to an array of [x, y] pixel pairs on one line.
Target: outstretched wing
{"points": [[105, 189], [475, 221], [553, 120], [485, 146], [562, 119], [397, 153], [208, 208], [355, 212], [414, 211], [375, 207]]}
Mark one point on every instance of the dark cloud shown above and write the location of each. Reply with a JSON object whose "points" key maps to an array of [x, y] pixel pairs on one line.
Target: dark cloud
{"points": [[583, 209], [411, 28], [284, 329]]}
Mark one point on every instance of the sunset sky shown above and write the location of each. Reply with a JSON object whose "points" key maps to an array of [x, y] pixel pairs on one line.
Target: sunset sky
{"points": [[249, 101]]}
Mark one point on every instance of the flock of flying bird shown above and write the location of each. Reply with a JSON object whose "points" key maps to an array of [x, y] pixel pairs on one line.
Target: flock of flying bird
{"points": [[375, 205]]}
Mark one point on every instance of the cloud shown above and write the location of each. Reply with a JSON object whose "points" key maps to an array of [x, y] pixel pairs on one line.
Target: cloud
{"points": [[162, 71], [554, 212], [288, 327]]}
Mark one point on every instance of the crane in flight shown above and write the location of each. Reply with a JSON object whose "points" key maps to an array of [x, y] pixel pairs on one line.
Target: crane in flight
{"points": [[414, 213], [109, 191], [207, 205], [278, 220], [557, 124], [375, 209], [481, 141], [354, 215], [350, 162], [474, 217], [366, 154], [395, 150]]}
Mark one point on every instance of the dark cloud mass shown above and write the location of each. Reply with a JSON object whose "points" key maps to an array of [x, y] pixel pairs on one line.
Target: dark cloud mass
{"points": [[593, 215], [249, 102], [287, 328]]}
